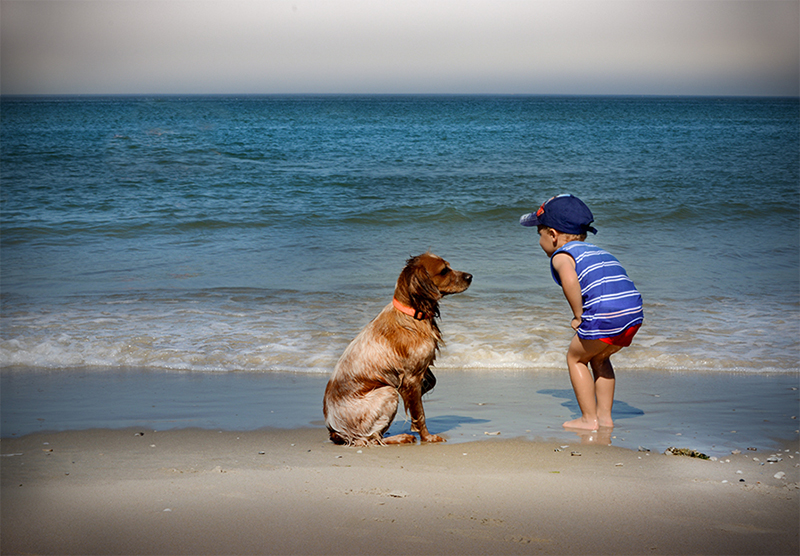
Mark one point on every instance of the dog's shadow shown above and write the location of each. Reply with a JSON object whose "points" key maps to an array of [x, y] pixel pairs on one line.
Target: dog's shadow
{"points": [[439, 424], [621, 410]]}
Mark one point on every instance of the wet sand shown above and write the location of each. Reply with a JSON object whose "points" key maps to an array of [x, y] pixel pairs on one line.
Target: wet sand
{"points": [[194, 491], [714, 413]]}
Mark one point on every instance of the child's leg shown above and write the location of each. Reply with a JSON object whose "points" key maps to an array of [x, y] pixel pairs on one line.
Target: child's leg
{"points": [[604, 384], [591, 401]]}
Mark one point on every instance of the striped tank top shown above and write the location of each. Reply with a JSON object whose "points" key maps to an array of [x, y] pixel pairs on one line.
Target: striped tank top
{"points": [[611, 303]]}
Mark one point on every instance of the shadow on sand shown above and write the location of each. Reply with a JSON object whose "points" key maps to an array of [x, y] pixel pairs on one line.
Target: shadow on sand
{"points": [[440, 424], [621, 410]]}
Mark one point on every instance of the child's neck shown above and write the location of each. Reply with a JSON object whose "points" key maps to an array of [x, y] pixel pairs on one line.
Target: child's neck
{"points": [[562, 240]]}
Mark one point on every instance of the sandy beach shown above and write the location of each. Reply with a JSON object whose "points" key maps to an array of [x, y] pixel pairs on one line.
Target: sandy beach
{"points": [[196, 491], [162, 463]]}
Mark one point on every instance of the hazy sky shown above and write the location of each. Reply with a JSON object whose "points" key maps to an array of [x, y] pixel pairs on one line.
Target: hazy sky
{"points": [[727, 47]]}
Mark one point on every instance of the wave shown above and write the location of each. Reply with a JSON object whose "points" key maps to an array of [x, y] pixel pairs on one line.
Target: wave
{"points": [[249, 329], [296, 355]]}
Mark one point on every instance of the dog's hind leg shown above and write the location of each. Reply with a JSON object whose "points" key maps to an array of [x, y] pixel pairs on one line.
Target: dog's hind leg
{"points": [[385, 401], [400, 439], [363, 421]]}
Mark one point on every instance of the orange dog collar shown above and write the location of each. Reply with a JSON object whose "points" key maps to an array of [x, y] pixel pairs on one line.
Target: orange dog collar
{"points": [[410, 311]]}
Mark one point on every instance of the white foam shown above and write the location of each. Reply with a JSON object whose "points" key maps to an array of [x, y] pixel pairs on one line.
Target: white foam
{"points": [[307, 333]]}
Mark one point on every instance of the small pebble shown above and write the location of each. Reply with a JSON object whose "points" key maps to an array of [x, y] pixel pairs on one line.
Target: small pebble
{"points": [[779, 475], [492, 433], [360, 452], [575, 453], [618, 464], [725, 481], [753, 449], [735, 452], [740, 472], [398, 494]]}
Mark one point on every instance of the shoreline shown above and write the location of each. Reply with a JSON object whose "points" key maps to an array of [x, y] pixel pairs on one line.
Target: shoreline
{"points": [[714, 413], [278, 491]]}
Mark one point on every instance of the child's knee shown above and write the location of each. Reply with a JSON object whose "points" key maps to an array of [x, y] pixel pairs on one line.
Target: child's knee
{"points": [[584, 351]]}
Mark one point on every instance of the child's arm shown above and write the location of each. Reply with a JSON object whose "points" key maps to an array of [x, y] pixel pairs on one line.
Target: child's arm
{"points": [[564, 265]]}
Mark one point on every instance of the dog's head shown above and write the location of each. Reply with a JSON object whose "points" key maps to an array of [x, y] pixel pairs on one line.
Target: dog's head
{"points": [[426, 279]]}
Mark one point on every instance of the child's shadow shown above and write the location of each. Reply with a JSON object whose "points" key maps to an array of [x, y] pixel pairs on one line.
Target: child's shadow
{"points": [[621, 410]]}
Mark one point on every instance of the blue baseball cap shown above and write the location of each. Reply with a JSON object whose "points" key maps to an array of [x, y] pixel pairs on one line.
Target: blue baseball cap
{"points": [[565, 213]]}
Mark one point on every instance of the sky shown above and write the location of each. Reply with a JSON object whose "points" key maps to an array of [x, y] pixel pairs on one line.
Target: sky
{"points": [[632, 47]]}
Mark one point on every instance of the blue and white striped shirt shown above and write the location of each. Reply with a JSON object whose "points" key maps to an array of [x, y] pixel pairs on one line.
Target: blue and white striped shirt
{"points": [[611, 303]]}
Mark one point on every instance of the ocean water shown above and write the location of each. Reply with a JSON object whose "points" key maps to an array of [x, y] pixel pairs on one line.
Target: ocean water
{"points": [[262, 233]]}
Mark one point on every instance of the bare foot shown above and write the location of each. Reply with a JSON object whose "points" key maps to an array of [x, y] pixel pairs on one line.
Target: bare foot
{"points": [[581, 424], [605, 423]]}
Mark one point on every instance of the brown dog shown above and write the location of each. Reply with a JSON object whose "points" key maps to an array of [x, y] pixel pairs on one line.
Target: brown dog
{"points": [[392, 355]]}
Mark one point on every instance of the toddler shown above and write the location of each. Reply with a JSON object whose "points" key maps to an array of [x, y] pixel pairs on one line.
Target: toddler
{"points": [[606, 307]]}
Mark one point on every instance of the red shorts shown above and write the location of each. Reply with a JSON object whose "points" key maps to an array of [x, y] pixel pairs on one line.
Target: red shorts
{"points": [[623, 339]]}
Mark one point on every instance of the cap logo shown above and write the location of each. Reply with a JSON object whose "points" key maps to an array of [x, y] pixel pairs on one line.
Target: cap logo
{"points": [[541, 208]]}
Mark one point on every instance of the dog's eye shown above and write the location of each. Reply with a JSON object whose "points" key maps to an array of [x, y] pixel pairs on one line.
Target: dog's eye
{"points": [[445, 271]]}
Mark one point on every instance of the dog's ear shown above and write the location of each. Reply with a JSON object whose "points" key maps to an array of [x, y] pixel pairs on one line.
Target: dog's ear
{"points": [[417, 285]]}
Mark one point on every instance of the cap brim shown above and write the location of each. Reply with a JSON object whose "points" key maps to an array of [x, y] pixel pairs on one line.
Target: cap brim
{"points": [[529, 219]]}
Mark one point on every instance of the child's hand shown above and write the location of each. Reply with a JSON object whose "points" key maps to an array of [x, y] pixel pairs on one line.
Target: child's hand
{"points": [[575, 323]]}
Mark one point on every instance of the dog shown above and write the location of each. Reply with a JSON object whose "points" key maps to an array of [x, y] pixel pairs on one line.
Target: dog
{"points": [[392, 356]]}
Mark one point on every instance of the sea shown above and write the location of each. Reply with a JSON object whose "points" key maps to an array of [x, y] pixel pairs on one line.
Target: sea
{"points": [[259, 234]]}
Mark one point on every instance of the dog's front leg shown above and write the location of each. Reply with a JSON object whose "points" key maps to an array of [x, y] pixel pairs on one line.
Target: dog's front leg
{"points": [[411, 392]]}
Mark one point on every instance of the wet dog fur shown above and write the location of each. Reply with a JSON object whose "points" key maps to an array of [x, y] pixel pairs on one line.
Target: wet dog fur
{"points": [[391, 358]]}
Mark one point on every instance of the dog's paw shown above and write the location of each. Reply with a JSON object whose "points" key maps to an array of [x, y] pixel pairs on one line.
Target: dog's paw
{"points": [[400, 439], [433, 438]]}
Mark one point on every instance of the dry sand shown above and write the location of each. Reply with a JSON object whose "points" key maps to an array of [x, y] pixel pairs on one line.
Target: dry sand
{"points": [[291, 491]]}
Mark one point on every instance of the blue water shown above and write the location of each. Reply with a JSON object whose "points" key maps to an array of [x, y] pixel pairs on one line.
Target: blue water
{"points": [[261, 233]]}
